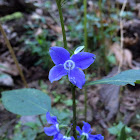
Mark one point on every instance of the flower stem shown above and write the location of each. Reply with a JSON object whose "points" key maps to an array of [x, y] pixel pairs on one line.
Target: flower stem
{"points": [[86, 45], [85, 103], [74, 111], [102, 34], [85, 25], [62, 23]]}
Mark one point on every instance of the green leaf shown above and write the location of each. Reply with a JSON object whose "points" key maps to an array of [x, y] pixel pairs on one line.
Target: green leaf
{"points": [[123, 78], [123, 135], [63, 117], [26, 101], [116, 129]]}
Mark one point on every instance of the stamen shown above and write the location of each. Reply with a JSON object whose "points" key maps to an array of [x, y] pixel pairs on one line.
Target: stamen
{"points": [[68, 138], [57, 126], [69, 65], [85, 134]]}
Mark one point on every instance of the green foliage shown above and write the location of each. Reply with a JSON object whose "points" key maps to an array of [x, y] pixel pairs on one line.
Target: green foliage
{"points": [[120, 131], [40, 47], [123, 78], [27, 134], [26, 101], [29, 130], [64, 116], [111, 59], [123, 135], [16, 15]]}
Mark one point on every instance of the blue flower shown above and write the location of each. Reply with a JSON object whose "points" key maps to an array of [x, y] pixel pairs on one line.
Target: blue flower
{"points": [[86, 131], [71, 66], [68, 138], [98, 137], [59, 136], [54, 128]]}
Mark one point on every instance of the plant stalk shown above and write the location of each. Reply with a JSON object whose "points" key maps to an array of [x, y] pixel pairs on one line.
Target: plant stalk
{"points": [[62, 24], [13, 56], [85, 25], [86, 46], [102, 35], [74, 111]]}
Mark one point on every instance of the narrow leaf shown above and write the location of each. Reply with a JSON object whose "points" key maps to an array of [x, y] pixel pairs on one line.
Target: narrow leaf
{"points": [[26, 101], [123, 135], [123, 78]]}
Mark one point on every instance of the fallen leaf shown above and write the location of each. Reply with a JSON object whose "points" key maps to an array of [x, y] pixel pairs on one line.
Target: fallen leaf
{"points": [[109, 95], [6, 80], [123, 57], [56, 28], [10, 69]]}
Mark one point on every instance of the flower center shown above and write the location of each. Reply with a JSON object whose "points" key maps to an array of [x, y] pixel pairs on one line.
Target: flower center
{"points": [[57, 126], [85, 134], [69, 65], [68, 138]]}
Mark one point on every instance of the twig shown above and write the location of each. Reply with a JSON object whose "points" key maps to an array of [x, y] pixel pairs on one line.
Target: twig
{"points": [[121, 30], [39, 117], [13, 56]]}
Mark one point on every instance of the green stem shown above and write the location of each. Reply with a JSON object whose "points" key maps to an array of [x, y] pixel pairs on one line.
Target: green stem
{"points": [[86, 45], [85, 101], [62, 23], [102, 35], [85, 25], [74, 111]]}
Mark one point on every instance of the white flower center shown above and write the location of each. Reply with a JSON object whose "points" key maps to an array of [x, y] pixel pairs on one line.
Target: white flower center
{"points": [[57, 126], [68, 138], [85, 134], [69, 65]]}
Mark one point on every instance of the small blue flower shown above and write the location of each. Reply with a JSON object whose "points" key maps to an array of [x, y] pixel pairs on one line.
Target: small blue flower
{"points": [[98, 137], [54, 128], [71, 66], [59, 136], [86, 131], [68, 138]]}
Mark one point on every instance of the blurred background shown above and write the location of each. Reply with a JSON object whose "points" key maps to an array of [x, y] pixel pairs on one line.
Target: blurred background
{"points": [[33, 26]]}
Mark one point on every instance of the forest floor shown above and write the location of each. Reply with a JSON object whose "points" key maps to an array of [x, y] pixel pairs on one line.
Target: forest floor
{"points": [[33, 30]]}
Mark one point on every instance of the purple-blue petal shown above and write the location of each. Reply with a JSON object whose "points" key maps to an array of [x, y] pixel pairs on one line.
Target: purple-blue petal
{"points": [[77, 77], [97, 137], [91, 137], [72, 138], [58, 136], [57, 72], [79, 130], [51, 119], [86, 128], [51, 131], [83, 59], [59, 55]]}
